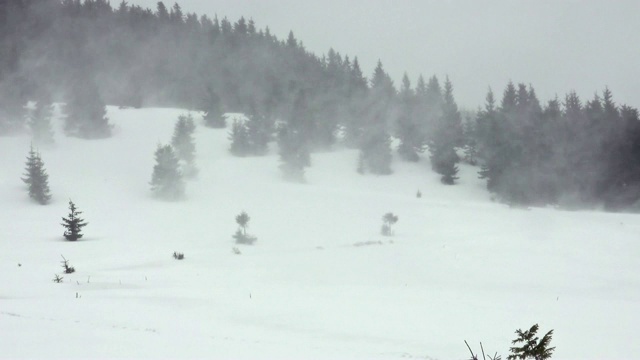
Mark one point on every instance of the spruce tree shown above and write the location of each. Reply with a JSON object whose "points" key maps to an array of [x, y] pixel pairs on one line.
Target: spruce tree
{"points": [[239, 136], [411, 142], [531, 347], [213, 110], [39, 121], [293, 139], [447, 134], [73, 223], [36, 178], [184, 144], [294, 153], [241, 236], [85, 111], [166, 180], [375, 142], [259, 131]]}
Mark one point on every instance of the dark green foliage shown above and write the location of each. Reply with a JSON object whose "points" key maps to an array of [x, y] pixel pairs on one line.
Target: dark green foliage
{"points": [[184, 144], [531, 347], [166, 180], [73, 224], [241, 236], [36, 178], [566, 153]]}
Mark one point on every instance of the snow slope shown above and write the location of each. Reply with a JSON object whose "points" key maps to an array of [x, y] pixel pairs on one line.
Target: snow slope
{"points": [[320, 283]]}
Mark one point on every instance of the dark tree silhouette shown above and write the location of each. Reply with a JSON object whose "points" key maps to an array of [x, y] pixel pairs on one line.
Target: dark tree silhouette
{"points": [[36, 178], [73, 224]]}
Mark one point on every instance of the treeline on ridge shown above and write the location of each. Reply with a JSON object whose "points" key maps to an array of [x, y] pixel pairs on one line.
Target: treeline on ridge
{"points": [[87, 53]]}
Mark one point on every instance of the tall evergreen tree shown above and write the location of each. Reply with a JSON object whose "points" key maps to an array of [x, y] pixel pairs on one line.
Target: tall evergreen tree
{"points": [[259, 132], [39, 121], [86, 113], [239, 136], [213, 110], [407, 127], [166, 180], [184, 144], [73, 224], [36, 178], [447, 134], [375, 143], [293, 139]]}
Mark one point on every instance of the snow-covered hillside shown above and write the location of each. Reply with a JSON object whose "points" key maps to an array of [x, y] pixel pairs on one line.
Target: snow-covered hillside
{"points": [[321, 282]]}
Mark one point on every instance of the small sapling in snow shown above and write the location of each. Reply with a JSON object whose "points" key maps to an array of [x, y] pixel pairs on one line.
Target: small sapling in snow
{"points": [[241, 235], [68, 269], [387, 221], [73, 224]]}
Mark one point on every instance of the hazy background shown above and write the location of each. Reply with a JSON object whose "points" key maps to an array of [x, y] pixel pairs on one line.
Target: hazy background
{"points": [[555, 45]]}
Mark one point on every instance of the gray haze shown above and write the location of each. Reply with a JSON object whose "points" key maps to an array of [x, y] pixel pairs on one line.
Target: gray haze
{"points": [[557, 46]]}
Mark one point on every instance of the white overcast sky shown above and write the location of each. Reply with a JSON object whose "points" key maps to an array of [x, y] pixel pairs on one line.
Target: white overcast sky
{"points": [[556, 45]]}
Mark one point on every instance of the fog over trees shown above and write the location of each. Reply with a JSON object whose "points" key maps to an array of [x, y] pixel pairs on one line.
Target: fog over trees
{"points": [[567, 151]]}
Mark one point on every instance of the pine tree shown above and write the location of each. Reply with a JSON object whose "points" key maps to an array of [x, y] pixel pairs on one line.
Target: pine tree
{"points": [[166, 180], [241, 235], [36, 178], [213, 108], [73, 223], [375, 142], [532, 347], [86, 113], [39, 121], [294, 153], [447, 135], [356, 94], [259, 131], [387, 222], [184, 144], [408, 131], [239, 136], [293, 139]]}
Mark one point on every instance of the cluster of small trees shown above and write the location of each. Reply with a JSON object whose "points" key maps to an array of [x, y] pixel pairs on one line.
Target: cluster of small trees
{"points": [[175, 162], [566, 153]]}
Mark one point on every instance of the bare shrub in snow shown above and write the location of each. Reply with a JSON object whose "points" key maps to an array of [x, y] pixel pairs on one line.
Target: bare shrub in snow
{"points": [[68, 269]]}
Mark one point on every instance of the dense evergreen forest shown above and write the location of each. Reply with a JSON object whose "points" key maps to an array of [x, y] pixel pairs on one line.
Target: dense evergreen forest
{"points": [[565, 151]]}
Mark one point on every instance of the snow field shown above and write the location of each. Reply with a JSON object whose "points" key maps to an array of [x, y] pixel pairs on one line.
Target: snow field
{"points": [[459, 266]]}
